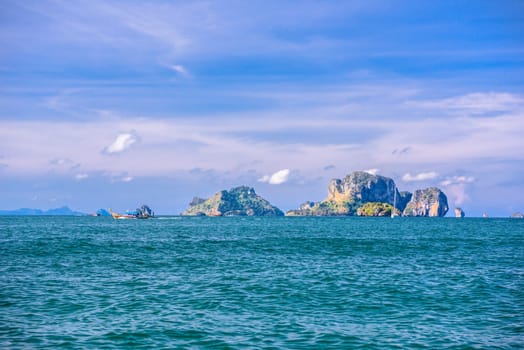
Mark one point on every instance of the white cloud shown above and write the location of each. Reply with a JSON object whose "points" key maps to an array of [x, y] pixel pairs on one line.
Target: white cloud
{"points": [[373, 171], [419, 177], [456, 188], [121, 143], [457, 194], [223, 141], [277, 178], [81, 176], [457, 180], [180, 70], [127, 179]]}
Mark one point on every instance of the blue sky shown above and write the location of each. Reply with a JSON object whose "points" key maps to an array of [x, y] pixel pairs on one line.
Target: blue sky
{"points": [[114, 104]]}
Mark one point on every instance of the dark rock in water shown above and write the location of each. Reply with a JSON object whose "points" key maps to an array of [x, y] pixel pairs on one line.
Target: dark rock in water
{"points": [[428, 202], [346, 195], [517, 215], [144, 212], [239, 201], [459, 213], [102, 212]]}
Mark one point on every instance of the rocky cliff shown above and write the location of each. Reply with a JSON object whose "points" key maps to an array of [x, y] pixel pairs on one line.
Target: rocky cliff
{"points": [[239, 201], [346, 195], [459, 213], [428, 202]]}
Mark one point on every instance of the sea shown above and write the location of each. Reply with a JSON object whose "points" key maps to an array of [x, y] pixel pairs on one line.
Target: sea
{"points": [[261, 283]]}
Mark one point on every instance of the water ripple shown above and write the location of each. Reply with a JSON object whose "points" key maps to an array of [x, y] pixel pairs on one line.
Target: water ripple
{"points": [[300, 283]]}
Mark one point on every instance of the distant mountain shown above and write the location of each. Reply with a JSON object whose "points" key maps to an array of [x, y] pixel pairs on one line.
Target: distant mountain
{"points": [[239, 201], [29, 211]]}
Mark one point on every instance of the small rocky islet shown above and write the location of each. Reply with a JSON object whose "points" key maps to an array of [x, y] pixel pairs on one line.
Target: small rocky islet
{"points": [[359, 193]]}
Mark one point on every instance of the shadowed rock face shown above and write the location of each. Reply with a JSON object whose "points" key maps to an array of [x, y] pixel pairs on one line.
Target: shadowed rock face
{"points": [[239, 201], [363, 187], [428, 202]]}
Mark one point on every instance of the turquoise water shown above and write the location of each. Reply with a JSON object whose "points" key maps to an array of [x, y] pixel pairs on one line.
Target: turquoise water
{"points": [[84, 282]]}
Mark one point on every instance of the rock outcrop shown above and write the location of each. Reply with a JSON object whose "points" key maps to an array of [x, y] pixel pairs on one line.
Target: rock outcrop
{"points": [[346, 195], [365, 194], [459, 213], [239, 201], [428, 202], [403, 201], [102, 212]]}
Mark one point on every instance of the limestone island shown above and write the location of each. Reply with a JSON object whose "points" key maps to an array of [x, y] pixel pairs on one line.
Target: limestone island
{"points": [[459, 213], [238, 201], [364, 194], [359, 193]]}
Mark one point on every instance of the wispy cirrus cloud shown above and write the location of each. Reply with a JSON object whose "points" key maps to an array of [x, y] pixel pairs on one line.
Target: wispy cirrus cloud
{"points": [[61, 162], [118, 176], [477, 102], [276, 178]]}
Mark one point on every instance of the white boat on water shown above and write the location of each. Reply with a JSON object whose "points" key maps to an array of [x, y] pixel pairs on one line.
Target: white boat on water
{"points": [[144, 212], [394, 209]]}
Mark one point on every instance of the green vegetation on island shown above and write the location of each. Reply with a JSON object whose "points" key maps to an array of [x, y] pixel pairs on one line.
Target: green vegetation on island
{"points": [[376, 209], [239, 201]]}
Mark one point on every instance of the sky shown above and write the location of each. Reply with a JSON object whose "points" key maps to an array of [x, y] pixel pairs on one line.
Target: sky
{"points": [[115, 104]]}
